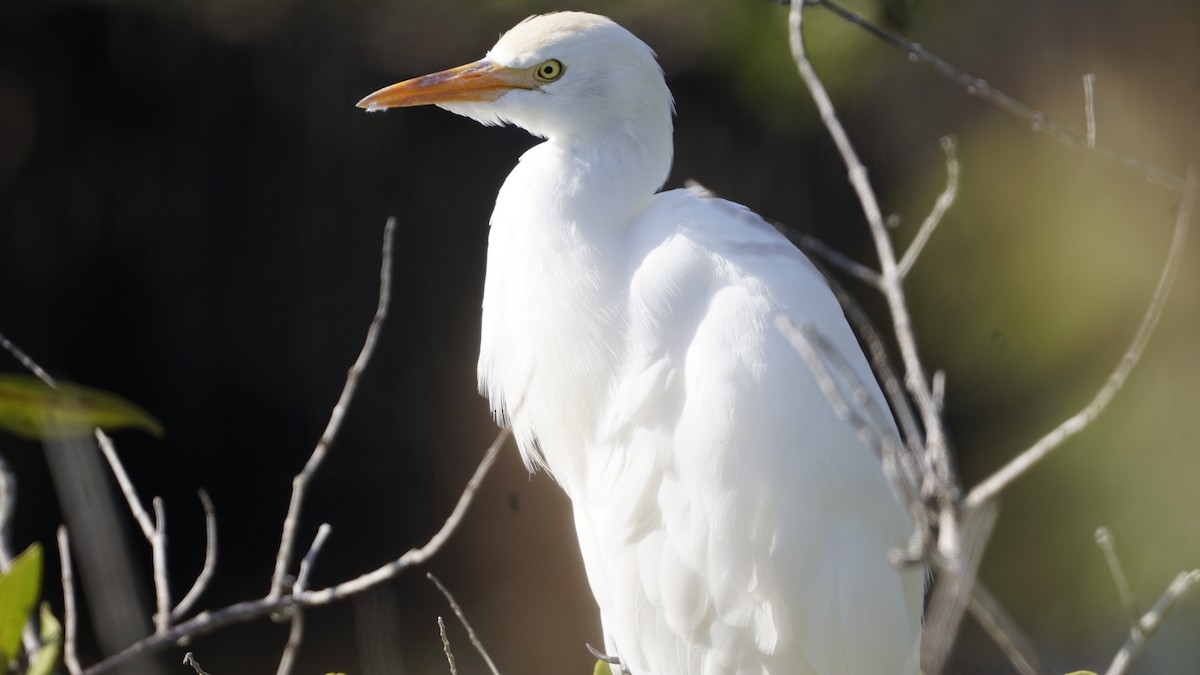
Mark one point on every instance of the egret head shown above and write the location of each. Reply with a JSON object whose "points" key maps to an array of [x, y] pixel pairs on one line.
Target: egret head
{"points": [[563, 76]]}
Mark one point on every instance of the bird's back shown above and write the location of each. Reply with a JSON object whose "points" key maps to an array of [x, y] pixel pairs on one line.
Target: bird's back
{"points": [[729, 520]]}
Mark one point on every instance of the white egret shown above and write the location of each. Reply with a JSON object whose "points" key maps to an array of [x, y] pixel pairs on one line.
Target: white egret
{"points": [[729, 521]]}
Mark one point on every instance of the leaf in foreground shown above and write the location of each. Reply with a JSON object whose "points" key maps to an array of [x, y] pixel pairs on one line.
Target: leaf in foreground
{"points": [[46, 659], [19, 589], [33, 410]]}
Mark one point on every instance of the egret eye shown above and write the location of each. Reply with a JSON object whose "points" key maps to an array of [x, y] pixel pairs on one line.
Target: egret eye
{"points": [[549, 71]]}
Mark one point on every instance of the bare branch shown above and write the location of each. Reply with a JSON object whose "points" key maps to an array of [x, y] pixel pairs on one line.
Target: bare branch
{"points": [[70, 614], [8, 503], [300, 483], [839, 260], [190, 660], [207, 622], [296, 631], [28, 362], [956, 578], [999, 480], [446, 646], [1004, 631], [936, 447], [210, 559], [1089, 108], [882, 366], [295, 638], [1108, 546], [466, 624], [1150, 621], [975, 86], [943, 204], [162, 585], [418, 555], [939, 389], [131, 496], [310, 558]]}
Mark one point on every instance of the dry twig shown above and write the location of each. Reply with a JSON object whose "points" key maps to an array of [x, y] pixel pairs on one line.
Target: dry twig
{"points": [[1108, 547], [300, 482], [1037, 120], [210, 559], [189, 659], [446, 646], [466, 624], [1141, 630], [207, 622], [1023, 462], [70, 614]]}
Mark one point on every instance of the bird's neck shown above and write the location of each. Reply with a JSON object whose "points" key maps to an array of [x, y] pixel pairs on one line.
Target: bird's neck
{"points": [[557, 279]]}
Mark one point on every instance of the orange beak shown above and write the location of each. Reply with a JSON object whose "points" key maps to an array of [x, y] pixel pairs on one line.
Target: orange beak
{"points": [[479, 81]]}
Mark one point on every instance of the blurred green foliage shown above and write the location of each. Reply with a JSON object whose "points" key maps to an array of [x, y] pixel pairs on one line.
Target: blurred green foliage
{"points": [[32, 409], [20, 586]]}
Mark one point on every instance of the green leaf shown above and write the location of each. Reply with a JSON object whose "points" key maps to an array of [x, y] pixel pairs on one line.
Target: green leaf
{"points": [[31, 409], [601, 669], [19, 589], [46, 659]]}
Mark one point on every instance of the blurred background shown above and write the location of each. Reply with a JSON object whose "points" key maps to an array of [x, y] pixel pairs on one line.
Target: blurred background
{"points": [[191, 211]]}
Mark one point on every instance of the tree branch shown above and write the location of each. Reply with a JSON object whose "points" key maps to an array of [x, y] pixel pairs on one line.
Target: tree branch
{"points": [[291, 522], [207, 622], [1023, 462], [210, 559], [943, 203], [1037, 120], [1141, 631], [466, 624], [70, 614]]}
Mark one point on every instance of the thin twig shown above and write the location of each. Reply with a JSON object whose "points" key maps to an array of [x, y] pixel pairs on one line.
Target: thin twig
{"points": [[1037, 120], [1016, 468], [210, 559], [1004, 631], [131, 496], [310, 558], [418, 555], [446, 646], [296, 630], [28, 362], [936, 446], [1108, 546], [943, 204], [8, 503], [244, 611], [291, 522], [70, 658], [189, 659], [838, 259], [881, 364], [295, 638], [951, 595], [1150, 621], [1089, 108], [939, 389], [466, 624], [158, 551]]}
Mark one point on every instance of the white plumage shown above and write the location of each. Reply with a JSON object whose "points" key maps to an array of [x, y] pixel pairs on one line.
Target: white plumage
{"points": [[729, 521]]}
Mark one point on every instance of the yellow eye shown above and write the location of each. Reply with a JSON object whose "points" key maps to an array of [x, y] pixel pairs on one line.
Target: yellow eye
{"points": [[549, 71]]}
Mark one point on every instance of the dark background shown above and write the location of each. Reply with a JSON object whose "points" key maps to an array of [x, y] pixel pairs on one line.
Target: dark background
{"points": [[191, 210]]}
